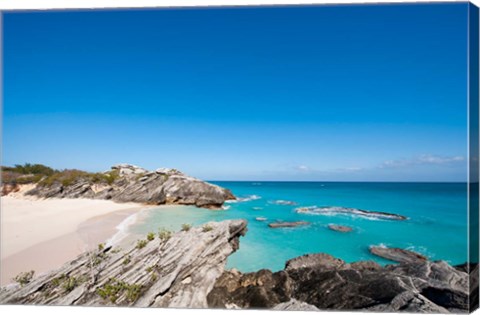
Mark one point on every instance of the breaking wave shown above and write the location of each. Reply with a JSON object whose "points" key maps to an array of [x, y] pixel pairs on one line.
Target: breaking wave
{"points": [[331, 211], [244, 199]]}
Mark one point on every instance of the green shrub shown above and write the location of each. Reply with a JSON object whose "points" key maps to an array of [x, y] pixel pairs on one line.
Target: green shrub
{"points": [[28, 168], [114, 288], [186, 227], [116, 250], [133, 292], [150, 236], [207, 228], [24, 277], [126, 260], [70, 283], [141, 244], [98, 258], [101, 247], [154, 277], [164, 234], [69, 177]]}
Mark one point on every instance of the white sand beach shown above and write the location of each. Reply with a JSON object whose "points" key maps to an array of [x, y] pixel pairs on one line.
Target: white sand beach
{"points": [[41, 235]]}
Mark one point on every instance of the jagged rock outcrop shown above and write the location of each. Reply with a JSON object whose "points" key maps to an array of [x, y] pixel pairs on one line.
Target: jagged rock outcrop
{"points": [[186, 269], [177, 271], [397, 254], [131, 183], [325, 282]]}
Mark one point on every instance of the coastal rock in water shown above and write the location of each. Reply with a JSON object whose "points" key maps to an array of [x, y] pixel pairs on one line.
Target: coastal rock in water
{"points": [[350, 211], [340, 228], [284, 202], [129, 183], [180, 189], [187, 270], [288, 224], [174, 272], [316, 261], [325, 282], [397, 254]]}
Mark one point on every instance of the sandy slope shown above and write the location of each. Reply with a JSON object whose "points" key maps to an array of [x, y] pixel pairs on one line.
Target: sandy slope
{"points": [[43, 234]]}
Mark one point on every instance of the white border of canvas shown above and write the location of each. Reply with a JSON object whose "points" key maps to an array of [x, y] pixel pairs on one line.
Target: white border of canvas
{"points": [[56, 4]]}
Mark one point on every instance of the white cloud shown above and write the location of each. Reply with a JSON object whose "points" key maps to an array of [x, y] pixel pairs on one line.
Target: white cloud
{"points": [[424, 159], [303, 168]]}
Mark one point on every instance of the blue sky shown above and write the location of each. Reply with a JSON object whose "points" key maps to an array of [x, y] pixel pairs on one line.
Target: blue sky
{"points": [[374, 93]]}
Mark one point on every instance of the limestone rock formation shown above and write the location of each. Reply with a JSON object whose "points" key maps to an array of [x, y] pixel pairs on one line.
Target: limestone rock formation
{"points": [[129, 183], [288, 224], [397, 254], [186, 269], [176, 271], [340, 228]]}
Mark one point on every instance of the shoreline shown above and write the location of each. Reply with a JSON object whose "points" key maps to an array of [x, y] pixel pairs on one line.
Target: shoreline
{"points": [[43, 234]]}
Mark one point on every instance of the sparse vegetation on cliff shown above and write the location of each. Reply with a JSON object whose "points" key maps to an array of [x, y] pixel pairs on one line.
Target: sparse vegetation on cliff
{"points": [[186, 227], [141, 244], [69, 177], [164, 234], [24, 278], [207, 228], [114, 289], [123, 183]]}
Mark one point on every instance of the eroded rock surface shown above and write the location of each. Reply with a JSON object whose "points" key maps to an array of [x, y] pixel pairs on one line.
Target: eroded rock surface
{"points": [[324, 282], [186, 269], [288, 224], [397, 254], [135, 184], [340, 228], [174, 272]]}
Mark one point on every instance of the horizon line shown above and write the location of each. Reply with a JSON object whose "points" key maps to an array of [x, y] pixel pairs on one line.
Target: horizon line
{"points": [[333, 181]]}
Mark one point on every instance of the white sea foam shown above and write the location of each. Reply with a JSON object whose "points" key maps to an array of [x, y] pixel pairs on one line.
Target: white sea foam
{"points": [[244, 199], [122, 229], [422, 250], [226, 207], [352, 212]]}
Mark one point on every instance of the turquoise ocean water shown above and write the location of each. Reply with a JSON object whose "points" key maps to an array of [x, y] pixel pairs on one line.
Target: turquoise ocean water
{"points": [[437, 224]]}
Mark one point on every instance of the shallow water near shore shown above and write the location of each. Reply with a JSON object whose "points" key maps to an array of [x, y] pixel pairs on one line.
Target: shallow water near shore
{"points": [[436, 225]]}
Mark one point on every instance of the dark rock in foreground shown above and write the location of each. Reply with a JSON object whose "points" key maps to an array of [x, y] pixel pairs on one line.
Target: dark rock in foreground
{"points": [[397, 254], [186, 269], [340, 228], [134, 184], [320, 281], [288, 224]]}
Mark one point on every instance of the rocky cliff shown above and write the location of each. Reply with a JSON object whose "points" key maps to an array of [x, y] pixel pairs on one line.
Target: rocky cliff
{"points": [[320, 281], [167, 271], [186, 269], [128, 183]]}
